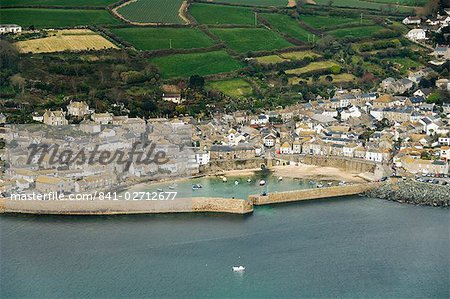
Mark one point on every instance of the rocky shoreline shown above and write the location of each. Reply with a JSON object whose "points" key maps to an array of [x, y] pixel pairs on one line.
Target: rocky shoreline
{"points": [[413, 192]]}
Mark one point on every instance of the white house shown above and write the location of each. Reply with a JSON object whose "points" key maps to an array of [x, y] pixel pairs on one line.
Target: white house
{"points": [[416, 34], [353, 111], [10, 28], [411, 21], [78, 109], [202, 157], [374, 155], [269, 140]]}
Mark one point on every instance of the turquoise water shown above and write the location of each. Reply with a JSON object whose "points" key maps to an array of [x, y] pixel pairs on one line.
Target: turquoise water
{"points": [[215, 187], [348, 248]]}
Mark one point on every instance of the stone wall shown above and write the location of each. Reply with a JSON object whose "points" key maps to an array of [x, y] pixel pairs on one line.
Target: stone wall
{"points": [[308, 194], [225, 165], [199, 204], [344, 163]]}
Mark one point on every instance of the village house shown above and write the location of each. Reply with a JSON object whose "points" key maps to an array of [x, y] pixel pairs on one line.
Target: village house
{"points": [[411, 21], [286, 149], [101, 181], [226, 152], [172, 93], [416, 34], [421, 166], [202, 157], [444, 153], [384, 102], [46, 184], [55, 118], [102, 118], [10, 28], [443, 83], [78, 109], [442, 51]]}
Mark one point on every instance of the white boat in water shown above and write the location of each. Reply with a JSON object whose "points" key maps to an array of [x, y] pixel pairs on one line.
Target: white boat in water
{"points": [[238, 269], [262, 182], [249, 180], [280, 178], [196, 186], [159, 190], [236, 182], [171, 187], [224, 179]]}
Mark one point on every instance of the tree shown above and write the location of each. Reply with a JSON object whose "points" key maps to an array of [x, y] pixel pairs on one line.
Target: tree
{"points": [[18, 82], [196, 82]]}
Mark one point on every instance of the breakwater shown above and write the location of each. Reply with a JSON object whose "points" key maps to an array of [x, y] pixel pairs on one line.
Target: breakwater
{"points": [[110, 207], [309, 194], [413, 192]]}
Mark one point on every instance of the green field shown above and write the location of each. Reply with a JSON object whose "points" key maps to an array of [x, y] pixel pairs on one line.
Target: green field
{"points": [[299, 55], [284, 57], [256, 2], [357, 32], [222, 14], [289, 26], [152, 11], [100, 3], [360, 4], [404, 2], [148, 38], [405, 63], [53, 18], [232, 87], [313, 66], [185, 65], [270, 59], [325, 22], [251, 39]]}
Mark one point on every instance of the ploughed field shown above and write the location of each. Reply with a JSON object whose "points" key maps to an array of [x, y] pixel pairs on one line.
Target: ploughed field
{"points": [[152, 11], [65, 40]]}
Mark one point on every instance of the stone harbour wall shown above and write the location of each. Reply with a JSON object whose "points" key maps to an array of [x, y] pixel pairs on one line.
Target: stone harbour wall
{"points": [[63, 207], [308, 194]]}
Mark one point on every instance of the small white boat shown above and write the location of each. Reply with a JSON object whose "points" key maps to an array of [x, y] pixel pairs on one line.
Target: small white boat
{"points": [[262, 182], [171, 187], [224, 179], [159, 190], [342, 183], [196, 186], [280, 178], [236, 182], [238, 269], [319, 185], [249, 180]]}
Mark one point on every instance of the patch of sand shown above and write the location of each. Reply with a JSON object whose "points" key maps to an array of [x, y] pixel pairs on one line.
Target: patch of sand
{"points": [[312, 172]]}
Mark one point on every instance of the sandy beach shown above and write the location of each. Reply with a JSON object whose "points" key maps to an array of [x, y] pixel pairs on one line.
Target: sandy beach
{"points": [[317, 173]]}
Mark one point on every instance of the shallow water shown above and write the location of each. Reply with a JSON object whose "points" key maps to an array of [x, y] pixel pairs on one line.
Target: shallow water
{"points": [[354, 248]]}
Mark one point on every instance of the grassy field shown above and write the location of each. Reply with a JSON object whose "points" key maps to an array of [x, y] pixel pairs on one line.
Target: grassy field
{"points": [[327, 22], [222, 14], [232, 87], [299, 55], [313, 66], [270, 59], [152, 11], [66, 40], [251, 39], [100, 3], [360, 4], [404, 2], [289, 26], [255, 2], [148, 38], [288, 56], [357, 32], [54, 18], [185, 65], [405, 64]]}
